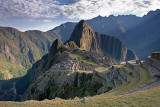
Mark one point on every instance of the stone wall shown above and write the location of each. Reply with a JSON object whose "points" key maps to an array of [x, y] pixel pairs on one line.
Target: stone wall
{"points": [[153, 63], [154, 59]]}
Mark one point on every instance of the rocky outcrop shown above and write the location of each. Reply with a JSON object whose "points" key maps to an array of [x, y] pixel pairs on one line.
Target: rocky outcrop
{"points": [[71, 45], [54, 48], [85, 37]]}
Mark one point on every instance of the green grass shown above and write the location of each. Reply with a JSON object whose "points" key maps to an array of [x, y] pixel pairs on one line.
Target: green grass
{"points": [[145, 77], [82, 71], [118, 82], [101, 69], [125, 86], [81, 58], [131, 70], [10, 70], [154, 59], [147, 98], [111, 84], [134, 82]]}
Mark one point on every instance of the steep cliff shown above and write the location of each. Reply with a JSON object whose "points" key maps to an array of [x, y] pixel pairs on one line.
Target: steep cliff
{"points": [[85, 37], [114, 48]]}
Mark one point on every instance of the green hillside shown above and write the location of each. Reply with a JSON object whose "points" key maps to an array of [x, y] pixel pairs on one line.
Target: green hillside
{"points": [[146, 98], [9, 70], [23, 48]]}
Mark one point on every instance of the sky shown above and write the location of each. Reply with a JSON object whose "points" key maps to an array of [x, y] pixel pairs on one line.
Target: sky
{"points": [[46, 14]]}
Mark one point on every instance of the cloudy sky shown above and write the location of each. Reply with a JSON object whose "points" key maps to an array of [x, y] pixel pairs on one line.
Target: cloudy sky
{"points": [[46, 14]]}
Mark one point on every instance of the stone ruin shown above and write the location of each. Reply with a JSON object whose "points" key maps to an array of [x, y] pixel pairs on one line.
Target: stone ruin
{"points": [[154, 60], [156, 55], [96, 57]]}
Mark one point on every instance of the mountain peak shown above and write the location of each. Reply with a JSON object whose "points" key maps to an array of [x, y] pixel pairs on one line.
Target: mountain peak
{"points": [[83, 22], [56, 44], [83, 36]]}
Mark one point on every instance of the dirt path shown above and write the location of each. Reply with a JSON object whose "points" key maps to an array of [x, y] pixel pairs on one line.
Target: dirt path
{"points": [[148, 86]]}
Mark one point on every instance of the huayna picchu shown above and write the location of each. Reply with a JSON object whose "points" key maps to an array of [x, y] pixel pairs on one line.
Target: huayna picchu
{"points": [[87, 64]]}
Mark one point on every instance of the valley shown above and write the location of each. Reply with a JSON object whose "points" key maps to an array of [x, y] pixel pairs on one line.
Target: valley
{"points": [[73, 65], [82, 67], [131, 84]]}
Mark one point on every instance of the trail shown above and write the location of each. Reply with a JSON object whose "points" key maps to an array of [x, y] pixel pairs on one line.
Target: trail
{"points": [[148, 86]]}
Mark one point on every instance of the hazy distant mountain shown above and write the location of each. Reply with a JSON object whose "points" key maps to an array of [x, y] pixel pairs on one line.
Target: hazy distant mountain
{"points": [[64, 31], [143, 38], [137, 33]]}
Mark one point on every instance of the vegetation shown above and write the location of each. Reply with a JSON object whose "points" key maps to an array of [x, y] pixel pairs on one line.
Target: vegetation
{"points": [[101, 69], [81, 71], [9, 70], [140, 99], [133, 83], [23, 48]]}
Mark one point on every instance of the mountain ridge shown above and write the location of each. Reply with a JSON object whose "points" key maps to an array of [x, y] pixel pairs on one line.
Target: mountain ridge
{"points": [[23, 48], [63, 60], [126, 27]]}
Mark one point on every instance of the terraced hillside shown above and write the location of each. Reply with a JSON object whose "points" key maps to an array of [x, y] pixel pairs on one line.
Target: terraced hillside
{"points": [[131, 84], [71, 71], [80, 76], [76, 74]]}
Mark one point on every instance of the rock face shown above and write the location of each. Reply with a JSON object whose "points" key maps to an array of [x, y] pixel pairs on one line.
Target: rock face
{"points": [[71, 45], [114, 48], [84, 37], [54, 48]]}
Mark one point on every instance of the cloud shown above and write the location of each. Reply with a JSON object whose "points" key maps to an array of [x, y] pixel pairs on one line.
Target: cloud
{"points": [[47, 21], [82, 9], [85, 9]]}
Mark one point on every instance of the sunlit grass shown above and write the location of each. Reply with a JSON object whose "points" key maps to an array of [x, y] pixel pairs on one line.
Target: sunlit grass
{"points": [[82, 71], [8, 68], [81, 58], [134, 82], [147, 98], [101, 69]]}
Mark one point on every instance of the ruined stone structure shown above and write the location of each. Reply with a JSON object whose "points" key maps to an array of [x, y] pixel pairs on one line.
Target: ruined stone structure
{"points": [[154, 59]]}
